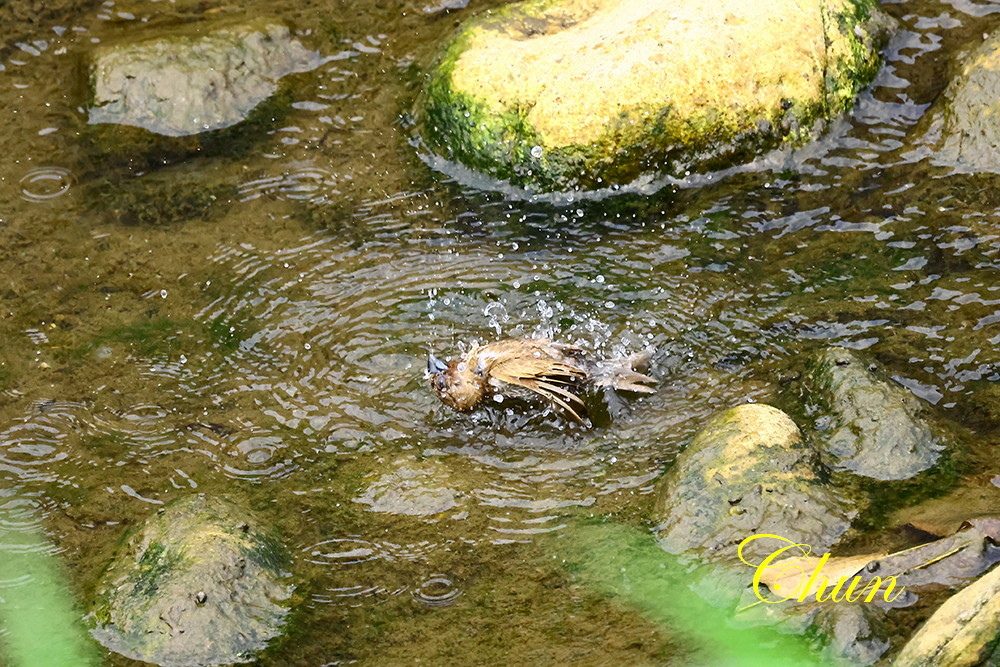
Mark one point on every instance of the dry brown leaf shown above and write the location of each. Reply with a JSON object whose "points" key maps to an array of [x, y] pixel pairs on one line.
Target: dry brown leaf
{"points": [[786, 578]]}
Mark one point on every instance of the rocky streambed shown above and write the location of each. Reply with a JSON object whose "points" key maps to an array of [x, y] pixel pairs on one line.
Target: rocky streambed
{"points": [[231, 233]]}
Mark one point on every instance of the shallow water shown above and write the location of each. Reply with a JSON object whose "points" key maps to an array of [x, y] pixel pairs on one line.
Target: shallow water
{"points": [[258, 324]]}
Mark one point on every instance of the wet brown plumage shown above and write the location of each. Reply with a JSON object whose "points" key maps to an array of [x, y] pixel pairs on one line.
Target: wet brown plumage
{"points": [[554, 371]]}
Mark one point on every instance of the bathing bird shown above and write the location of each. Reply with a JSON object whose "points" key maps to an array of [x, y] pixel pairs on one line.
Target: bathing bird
{"points": [[524, 367]]}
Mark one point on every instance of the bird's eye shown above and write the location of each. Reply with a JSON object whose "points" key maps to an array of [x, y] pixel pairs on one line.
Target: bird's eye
{"points": [[440, 382]]}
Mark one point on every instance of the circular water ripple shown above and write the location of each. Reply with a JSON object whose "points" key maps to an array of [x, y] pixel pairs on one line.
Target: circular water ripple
{"points": [[258, 460], [437, 591], [343, 551], [350, 553], [46, 183], [19, 514], [22, 529], [333, 342], [356, 596], [60, 441], [363, 570]]}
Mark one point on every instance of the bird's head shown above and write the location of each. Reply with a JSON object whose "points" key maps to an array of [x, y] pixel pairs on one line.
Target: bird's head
{"points": [[456, 384]]}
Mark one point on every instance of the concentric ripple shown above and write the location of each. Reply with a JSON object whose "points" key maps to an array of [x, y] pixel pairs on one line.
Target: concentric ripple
{"points": [[438, 590], [343, 551], [46, 183]]}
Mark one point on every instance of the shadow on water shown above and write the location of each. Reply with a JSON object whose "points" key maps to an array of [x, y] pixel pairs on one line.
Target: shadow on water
{"points": [[259, 324]]}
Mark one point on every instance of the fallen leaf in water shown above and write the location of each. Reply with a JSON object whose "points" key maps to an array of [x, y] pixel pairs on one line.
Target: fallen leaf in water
{"points": [[949, 561], [788, 577], [943, 516]]}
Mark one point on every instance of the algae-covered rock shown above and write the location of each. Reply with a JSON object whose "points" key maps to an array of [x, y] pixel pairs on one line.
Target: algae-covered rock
{"points": [[199, 79], [200, 583], [964, 631], [747, 472], [869, 424], [970, 124], [555, 94]]}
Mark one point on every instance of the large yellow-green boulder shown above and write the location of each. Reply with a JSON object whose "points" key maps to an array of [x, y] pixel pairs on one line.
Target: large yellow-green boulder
{"points": [[563, 94]]}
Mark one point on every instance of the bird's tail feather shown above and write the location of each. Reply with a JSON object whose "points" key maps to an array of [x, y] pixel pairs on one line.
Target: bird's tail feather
{"points": [[621, 374]]}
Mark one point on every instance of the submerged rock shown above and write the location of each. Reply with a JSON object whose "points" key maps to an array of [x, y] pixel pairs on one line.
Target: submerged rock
{"points": [[969, 128], [198, 79], [978, 498], [858, 633], [199, 584], [869, 424], [747, 472], [412, 488], [590, 93], [161, 197]]}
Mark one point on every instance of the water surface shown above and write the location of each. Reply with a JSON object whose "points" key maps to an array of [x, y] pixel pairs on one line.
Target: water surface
{"points": [[257, 325]]}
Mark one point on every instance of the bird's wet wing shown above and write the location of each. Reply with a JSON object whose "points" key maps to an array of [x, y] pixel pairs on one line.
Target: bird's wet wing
{"points": [[547, 378]]}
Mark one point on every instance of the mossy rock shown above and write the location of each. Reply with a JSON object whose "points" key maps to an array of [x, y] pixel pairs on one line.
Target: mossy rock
{"points": [[200, 583], [867, 423], [563, 94], [747, 472]]}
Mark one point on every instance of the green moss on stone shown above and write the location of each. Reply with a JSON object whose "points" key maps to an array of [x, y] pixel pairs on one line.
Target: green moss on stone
{"points": [[500, 141], [156, 561], [847, 73], [267, 552]]}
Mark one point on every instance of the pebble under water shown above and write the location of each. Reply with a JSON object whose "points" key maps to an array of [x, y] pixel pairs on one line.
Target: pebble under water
{"points": [[257, 325]]}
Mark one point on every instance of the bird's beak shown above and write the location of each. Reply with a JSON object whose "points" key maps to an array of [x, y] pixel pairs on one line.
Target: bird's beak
{"points": [[435, 365]]}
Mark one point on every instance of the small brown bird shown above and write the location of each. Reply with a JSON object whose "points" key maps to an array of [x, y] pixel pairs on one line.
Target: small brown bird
{"points": [[551, 370]]}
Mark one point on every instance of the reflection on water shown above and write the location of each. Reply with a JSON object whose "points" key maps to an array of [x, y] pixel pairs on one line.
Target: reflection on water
{"points": [[273, 348]]}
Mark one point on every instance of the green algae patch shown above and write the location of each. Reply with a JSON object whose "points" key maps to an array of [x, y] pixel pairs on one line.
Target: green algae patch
{"points": [[39, 622], [626, 564], [164, 196], [592, 93], [161, 337], [146, 338], [200, 583]]}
